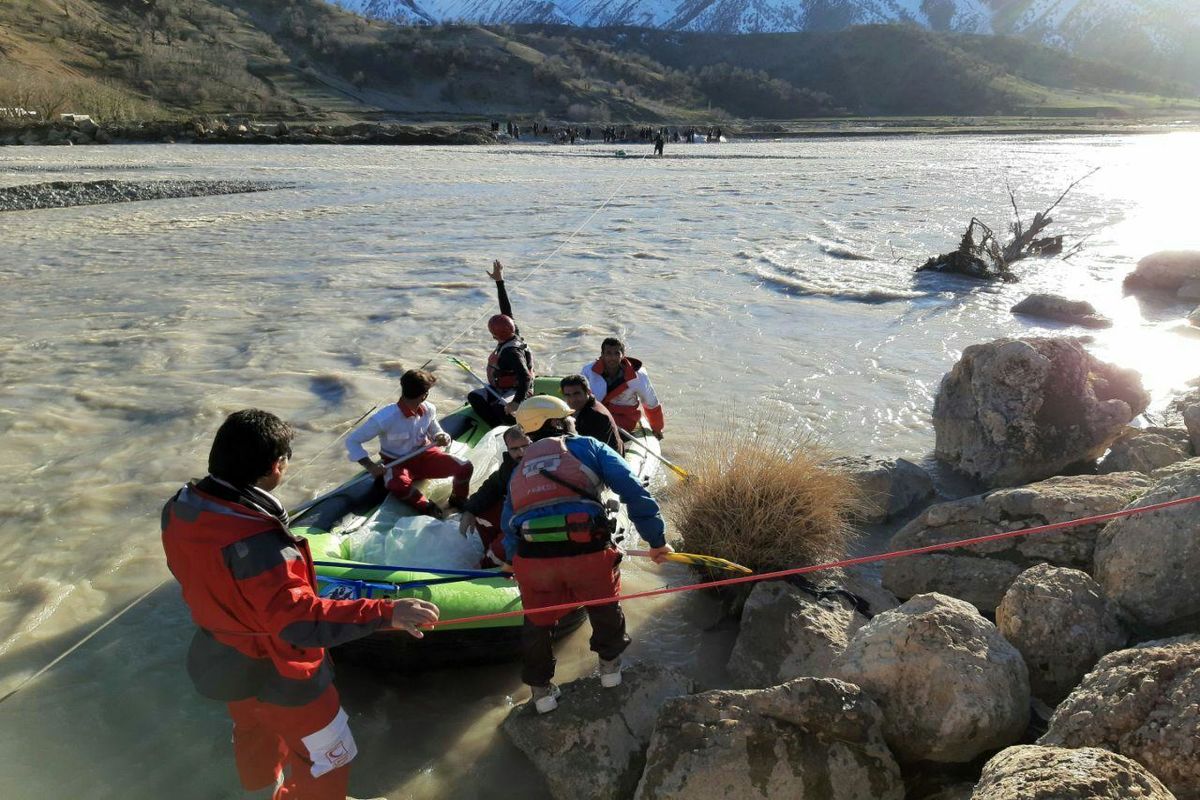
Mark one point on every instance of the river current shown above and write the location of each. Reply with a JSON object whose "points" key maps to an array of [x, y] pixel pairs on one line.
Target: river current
{"points": [[760, 279]]}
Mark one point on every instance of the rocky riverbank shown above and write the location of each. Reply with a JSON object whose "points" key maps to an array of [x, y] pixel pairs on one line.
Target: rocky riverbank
{"points": [[66, 194], [80, 130], [1059, 665]]}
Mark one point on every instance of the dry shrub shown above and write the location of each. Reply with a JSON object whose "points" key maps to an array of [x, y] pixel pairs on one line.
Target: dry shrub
{"points": [[766, 501]]}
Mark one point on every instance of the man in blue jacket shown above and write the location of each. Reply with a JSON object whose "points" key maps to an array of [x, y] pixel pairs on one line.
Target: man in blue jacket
{"points": [[559, 537]]}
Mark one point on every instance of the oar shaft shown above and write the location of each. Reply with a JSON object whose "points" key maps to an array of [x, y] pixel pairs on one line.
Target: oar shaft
{"points": [[629, 437], [465, 368]]}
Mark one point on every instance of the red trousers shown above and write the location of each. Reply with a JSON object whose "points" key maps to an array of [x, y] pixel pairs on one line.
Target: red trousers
{"points": [[492, 537], [313, 741], [433, 463], [550, 581]]}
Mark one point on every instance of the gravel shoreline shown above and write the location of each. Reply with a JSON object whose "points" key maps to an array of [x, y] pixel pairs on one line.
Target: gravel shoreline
{"points": [[67, 194]]}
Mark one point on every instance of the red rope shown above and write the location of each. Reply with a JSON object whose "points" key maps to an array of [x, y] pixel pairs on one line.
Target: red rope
{"points": [[848, 562]]}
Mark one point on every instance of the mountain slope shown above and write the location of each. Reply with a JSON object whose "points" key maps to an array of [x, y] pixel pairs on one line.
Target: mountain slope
{"points": [[1159, 35]]}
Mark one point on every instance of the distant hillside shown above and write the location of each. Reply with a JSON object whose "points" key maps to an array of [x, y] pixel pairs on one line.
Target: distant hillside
{"points": [[1159, 36], [305, 59]]}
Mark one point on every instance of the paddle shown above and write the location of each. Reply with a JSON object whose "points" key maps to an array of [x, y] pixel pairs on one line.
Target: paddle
{"points": [[697, 560], [458, 362], [300, 509], [678, 470]]}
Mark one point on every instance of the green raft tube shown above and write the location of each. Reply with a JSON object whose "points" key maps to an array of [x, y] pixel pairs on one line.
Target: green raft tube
{"points": [[362, 509]]}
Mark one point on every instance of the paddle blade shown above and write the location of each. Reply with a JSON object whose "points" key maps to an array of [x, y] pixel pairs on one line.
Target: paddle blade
{"points": [[710, 562]]}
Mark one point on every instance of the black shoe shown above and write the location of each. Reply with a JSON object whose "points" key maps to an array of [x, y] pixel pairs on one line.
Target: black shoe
{"points": [[435, 511], [457, 503]]}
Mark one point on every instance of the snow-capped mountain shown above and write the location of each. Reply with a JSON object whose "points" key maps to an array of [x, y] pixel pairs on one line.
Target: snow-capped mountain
{"points": [[1095, 27], [715, 16]]}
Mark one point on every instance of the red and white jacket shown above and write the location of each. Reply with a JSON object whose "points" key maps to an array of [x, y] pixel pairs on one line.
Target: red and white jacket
{"points": [[624, 395], [251, 588], [401, 432]]}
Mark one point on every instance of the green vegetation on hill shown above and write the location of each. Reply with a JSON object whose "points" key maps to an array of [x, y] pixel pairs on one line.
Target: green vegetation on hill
{"points": [[305, 59]]}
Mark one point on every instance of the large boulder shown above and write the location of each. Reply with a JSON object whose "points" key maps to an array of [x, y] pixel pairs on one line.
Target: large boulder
{"points": [[1166, 271], [1143, 703], [1029, 772], [809, 739], [890, 486], [787, 633], [1018, 410], [1061, 622], [981, 574], [1149, 563], [1060, 309], [1147, 449], [594, 745], [949, 685]]}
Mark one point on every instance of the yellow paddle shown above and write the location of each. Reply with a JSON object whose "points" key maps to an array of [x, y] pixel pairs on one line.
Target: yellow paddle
{"points": [[678, 470], [697, 560]]}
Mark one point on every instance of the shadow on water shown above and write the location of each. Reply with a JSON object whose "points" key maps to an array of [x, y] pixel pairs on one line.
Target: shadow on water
{"points": [[144, 732]]}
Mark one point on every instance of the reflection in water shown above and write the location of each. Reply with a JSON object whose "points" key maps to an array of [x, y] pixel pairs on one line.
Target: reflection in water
{"points": [[749, 277]]}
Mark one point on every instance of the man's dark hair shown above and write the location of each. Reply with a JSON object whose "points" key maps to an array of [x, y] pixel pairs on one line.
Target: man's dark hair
{"points": [[553, 427], [247, 444], [613, 341], [575, 380], [416, 382]]}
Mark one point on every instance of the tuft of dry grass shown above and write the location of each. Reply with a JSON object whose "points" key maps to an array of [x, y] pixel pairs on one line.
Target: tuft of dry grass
{"points": [[765, 501]]}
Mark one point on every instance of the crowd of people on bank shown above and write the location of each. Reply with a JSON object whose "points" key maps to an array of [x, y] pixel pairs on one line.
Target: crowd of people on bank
{"points": [[263, 629], [612, 134]]}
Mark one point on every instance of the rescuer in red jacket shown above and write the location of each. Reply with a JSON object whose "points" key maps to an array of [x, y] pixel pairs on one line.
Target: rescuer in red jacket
{"points": [[263, 629]]}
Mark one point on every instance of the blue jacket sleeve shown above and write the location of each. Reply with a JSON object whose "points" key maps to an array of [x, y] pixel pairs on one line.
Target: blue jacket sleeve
{"points": [[615, 471], [506, 527]]}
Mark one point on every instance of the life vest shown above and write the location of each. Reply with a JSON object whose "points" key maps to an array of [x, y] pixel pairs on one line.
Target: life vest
{"points": [[506, 378], [626, 416], [551, 475], [530, 488]]}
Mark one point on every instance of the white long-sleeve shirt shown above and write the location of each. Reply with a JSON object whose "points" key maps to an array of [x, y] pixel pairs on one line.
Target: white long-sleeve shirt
{"points": [[400, 433]]}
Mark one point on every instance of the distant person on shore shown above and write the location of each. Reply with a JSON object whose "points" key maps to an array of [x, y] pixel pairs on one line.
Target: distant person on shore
{"points": [[591, 417], [263, 628], [658, 144], [559, 539], [482, 510], [510, 366], [409, 433], [624, 387]]}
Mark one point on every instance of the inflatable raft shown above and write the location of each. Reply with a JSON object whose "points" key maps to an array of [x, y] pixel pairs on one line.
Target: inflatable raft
{"points": [[368, 544]]}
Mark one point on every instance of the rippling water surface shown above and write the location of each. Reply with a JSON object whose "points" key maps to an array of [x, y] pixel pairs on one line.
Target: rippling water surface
{"points": [[756, 278]]}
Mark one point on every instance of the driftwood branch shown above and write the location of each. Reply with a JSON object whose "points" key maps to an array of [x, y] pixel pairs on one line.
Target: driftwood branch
{"points": [[980, 255]]}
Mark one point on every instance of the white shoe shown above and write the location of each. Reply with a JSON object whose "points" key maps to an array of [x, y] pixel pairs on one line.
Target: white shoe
{"points": [[610, 673], [545, 698]]}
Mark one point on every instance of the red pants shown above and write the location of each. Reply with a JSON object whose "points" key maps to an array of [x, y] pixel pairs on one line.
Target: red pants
{"points": [[492, 537], [433, 463], [550, 581], [313, 740]]}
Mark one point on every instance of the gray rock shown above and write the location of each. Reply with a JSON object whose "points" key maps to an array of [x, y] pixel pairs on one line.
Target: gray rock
{"points": [[1190, 290], [1060, 309], [1061, 622], [1149, 563], [1146, 449], [949, 685], [1019, 410], [1191, 421], [981, 574], [787, 633], [1173, 413], [1029, 772], [1165, 271], [1143, 703], [890, 486], [809, 739], [594, 745]]}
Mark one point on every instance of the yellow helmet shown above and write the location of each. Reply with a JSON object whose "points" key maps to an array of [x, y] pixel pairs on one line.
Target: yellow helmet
{"points": [[534, 411]]}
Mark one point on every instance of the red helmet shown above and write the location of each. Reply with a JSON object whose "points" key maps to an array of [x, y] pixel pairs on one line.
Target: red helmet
{"points": [[502, 327]]}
